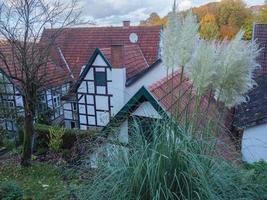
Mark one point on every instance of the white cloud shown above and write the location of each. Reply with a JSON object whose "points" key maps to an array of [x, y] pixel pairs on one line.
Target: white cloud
{"points": [[185, 4], [112, 12]]}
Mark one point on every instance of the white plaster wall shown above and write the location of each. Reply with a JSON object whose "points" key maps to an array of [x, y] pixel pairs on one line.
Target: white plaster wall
{"points": [[99, 62], [146, 110], [67, 105], [101, 102], [90, 75], [117, 89], [123, 135], [19, 101], [67, 124], [254, 144], [102, 118], [83, 87], [67, 114], [148, 79]]}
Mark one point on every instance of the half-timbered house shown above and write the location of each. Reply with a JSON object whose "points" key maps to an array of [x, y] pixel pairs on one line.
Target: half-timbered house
{"points": [[56, 84], [109, 65]]}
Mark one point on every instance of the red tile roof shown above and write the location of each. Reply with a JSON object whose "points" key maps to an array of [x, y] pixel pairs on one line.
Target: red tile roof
{"points": [[51, 74], [134, 60], [178, 98], [78, 44]]}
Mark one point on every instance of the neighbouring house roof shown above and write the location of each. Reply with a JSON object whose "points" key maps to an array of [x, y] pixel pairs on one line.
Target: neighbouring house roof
{"points": [[78, 44], [52, 74], [254, 112], [260, 35]]}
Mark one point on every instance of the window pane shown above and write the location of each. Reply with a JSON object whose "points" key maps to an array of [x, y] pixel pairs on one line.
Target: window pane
{"points": [[100, 78]]}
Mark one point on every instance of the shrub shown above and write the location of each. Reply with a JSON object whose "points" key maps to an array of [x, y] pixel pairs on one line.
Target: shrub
{"points": [[9, 144], [260, 173], [10, 190], [69, 137], [55, 138]]}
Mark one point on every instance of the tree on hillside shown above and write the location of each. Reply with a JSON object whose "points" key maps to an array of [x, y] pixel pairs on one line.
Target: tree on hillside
{"points": [[262, 18], [231, 16], [232, 12], [208, 27], [21, 25], [228, 32], [154, 19], [210, 8]]}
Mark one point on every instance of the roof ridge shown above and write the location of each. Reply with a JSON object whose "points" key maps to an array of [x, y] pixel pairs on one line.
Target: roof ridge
{"points": [[163, 80], [103, 27]]}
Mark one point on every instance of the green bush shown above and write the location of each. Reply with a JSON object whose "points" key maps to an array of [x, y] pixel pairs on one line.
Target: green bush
{"points": [[9, 144], [55, 138], [10, 190], [260, 173], [69, 137]]}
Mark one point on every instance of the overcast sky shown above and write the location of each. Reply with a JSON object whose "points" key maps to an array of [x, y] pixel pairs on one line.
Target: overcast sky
{"points": [[112, 12]]}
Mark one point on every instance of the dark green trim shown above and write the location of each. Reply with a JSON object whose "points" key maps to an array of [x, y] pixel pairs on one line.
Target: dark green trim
{"points": [[135, 78], [141, 96], [88, 66]]}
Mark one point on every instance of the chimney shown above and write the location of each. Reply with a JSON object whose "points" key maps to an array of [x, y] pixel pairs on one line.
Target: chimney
{"points": [[126, 24], [117, 55]]}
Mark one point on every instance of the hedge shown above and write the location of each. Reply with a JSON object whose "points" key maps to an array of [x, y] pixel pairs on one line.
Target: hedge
{"points": [[69, 138]]}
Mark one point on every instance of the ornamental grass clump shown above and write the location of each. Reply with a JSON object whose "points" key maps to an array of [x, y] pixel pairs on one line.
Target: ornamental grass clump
{"points": [[179, 39], [202, 67], [174, 164], [171, 37], [188, 38], [235, 71]]}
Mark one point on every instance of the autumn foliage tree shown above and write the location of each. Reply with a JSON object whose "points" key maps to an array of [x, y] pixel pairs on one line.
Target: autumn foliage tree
{"points": [[262, 18], [154, 19], [208, 27], [230, 16]]}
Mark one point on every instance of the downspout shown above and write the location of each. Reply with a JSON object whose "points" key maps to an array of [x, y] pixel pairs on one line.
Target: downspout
{"points": [[253, 31]]}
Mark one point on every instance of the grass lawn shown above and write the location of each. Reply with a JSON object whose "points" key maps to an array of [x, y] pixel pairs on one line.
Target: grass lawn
{"points": [[41, 181]]}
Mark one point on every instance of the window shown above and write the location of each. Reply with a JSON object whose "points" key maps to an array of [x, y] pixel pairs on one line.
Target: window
{"points": [[100, 78], [56, 100], [73, 124], [8, 104], [9, 125]]}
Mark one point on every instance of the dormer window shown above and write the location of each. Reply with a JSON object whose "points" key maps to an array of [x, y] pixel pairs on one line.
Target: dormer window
{"points": [[100, 79]]}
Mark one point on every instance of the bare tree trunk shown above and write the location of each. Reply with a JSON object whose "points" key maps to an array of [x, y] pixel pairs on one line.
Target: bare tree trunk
{"points": [[29, 106], [27, 140]]}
